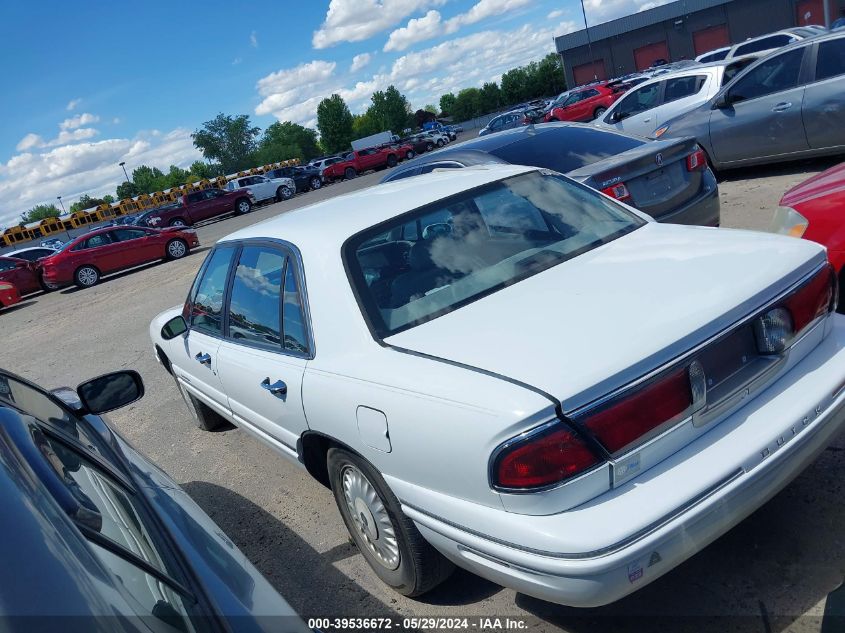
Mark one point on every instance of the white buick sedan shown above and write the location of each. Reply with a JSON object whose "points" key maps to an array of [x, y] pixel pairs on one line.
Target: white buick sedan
{"points": [[503, 369]]}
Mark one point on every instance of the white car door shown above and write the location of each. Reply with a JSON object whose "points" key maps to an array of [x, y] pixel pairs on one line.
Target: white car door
{"points": [[680, 94], [634, 113], [263, 357], [196, 366]]}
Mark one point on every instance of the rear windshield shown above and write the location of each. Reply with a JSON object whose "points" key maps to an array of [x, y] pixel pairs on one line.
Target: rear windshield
{"points": [[566, 149], [431, 261]]}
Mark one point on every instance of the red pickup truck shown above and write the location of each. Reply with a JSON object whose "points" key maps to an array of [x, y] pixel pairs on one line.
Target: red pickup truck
{"points": [[201, 205], [355, 163]]}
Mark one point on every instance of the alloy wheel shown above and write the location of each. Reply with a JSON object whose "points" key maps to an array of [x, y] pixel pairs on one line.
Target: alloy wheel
{"points": [[370, 517], [87, 276], [176, 249]]}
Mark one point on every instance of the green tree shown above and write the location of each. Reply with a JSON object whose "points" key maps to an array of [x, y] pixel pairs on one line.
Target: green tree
{"points": [[126, 189], [447, 102], [87, 202], [282, 141], [108, 198], [230, 140], [431, 108], [201, 170], [547, 78], [491, 96], [514, 86], [148, 179], [390, 110], [468, 104], [364, 125], [176, 177], [39, 212], [334, 121]]}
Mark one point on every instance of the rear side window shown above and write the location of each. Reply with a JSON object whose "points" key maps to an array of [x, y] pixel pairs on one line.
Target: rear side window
{"points": [[774, 74], [293, 315], [831, 59], [566, 149], [764, 44], [207, 304], [639, 100], [124, 235], [256, 292], [681, 87]]}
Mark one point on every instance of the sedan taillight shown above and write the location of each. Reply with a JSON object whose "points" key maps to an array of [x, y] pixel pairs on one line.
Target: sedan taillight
{"points": [[776, 328], [697, 161], [618, 191], [631, 416], [543, 460]]}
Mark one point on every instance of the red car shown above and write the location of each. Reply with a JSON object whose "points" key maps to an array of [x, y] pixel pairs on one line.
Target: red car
{"points": [[358, 162], [23, 274], [85, 259], [585, 104], [202, 205], [9, 295], [814, 210]]}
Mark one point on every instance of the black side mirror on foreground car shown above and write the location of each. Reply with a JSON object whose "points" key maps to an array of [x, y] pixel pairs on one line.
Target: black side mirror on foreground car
{"points": [[722, 101], [111, 391], [173, 328]]}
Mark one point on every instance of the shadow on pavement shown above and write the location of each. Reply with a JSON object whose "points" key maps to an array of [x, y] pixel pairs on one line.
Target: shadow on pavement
{"points": [[304, 577], [21, 304], [780, 169]]}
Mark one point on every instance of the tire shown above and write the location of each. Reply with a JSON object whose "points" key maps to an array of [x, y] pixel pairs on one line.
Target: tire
{"points": [[46, 287], [440, 142], [315, 183], [429, 147], [392, 160], [400, 556], [205, 418], [283, 193], [86, 276], [350, 173], [599, 112], [409, 154], [176, 249], [242, 205], [177, 222], [553, 119]]}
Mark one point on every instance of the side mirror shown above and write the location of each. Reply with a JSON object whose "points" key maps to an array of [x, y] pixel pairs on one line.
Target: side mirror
{"points": [[173, 328], [111, 391], [722, 101]]}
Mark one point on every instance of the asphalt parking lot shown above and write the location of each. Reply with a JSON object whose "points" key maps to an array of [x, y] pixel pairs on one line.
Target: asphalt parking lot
{"points": [[771, 573]]}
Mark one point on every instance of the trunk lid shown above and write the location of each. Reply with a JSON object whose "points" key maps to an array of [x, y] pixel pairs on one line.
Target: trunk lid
{"points": [[594, 323], [655, 173]]}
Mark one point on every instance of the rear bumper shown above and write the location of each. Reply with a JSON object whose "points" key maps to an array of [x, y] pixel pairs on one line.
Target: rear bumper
{"points": [[749, 457], [703, 210]]}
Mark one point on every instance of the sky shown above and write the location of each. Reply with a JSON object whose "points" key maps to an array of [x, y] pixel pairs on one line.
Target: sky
{"points": [[91, 84]]}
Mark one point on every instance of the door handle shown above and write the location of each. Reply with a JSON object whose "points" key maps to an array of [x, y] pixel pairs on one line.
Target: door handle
{"points": [[278, 388], [781, 107], [203, 359]]}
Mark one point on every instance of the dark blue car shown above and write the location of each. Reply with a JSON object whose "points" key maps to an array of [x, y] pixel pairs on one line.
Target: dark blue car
{"points": [[93, 537]]}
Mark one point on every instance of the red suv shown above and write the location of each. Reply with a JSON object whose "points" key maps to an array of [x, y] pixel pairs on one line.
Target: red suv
{"points": [[85, 259], [585, 104]]}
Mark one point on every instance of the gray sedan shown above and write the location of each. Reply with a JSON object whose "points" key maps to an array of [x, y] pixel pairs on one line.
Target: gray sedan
{"points": [[786, 106], [669, 180]]}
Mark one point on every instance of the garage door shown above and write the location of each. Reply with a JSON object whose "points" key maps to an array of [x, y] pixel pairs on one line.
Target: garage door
{"points": [[710, 39], [587, 73], [809, 12], [646, 55]]}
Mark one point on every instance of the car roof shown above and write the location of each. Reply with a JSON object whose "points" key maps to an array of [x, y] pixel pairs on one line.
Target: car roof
{"points": [[327, 224]]}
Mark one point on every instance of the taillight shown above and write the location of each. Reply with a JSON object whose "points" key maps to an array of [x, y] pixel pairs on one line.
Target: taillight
{"points": [[543, 459], [697, 161], [618, 191], [634, 414], [776, 328]]}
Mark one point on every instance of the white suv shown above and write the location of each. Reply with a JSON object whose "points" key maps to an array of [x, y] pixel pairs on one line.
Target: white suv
{"points": [[264, 188]]}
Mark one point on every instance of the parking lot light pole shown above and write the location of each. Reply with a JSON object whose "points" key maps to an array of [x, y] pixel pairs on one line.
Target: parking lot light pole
{"points": [[589, 43], [59, 198], [123, 164]]}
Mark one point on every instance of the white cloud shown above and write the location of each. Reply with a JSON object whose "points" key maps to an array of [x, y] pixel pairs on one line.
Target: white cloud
{"points": [[253, 39], [431, 25], [360, 61], [237, 61], [71, 105], [555, 14], [86, 118], [29, 141], [599, 11], [482, 10], [115, 120], [358, 20], [416, 30], [30, 178]]}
